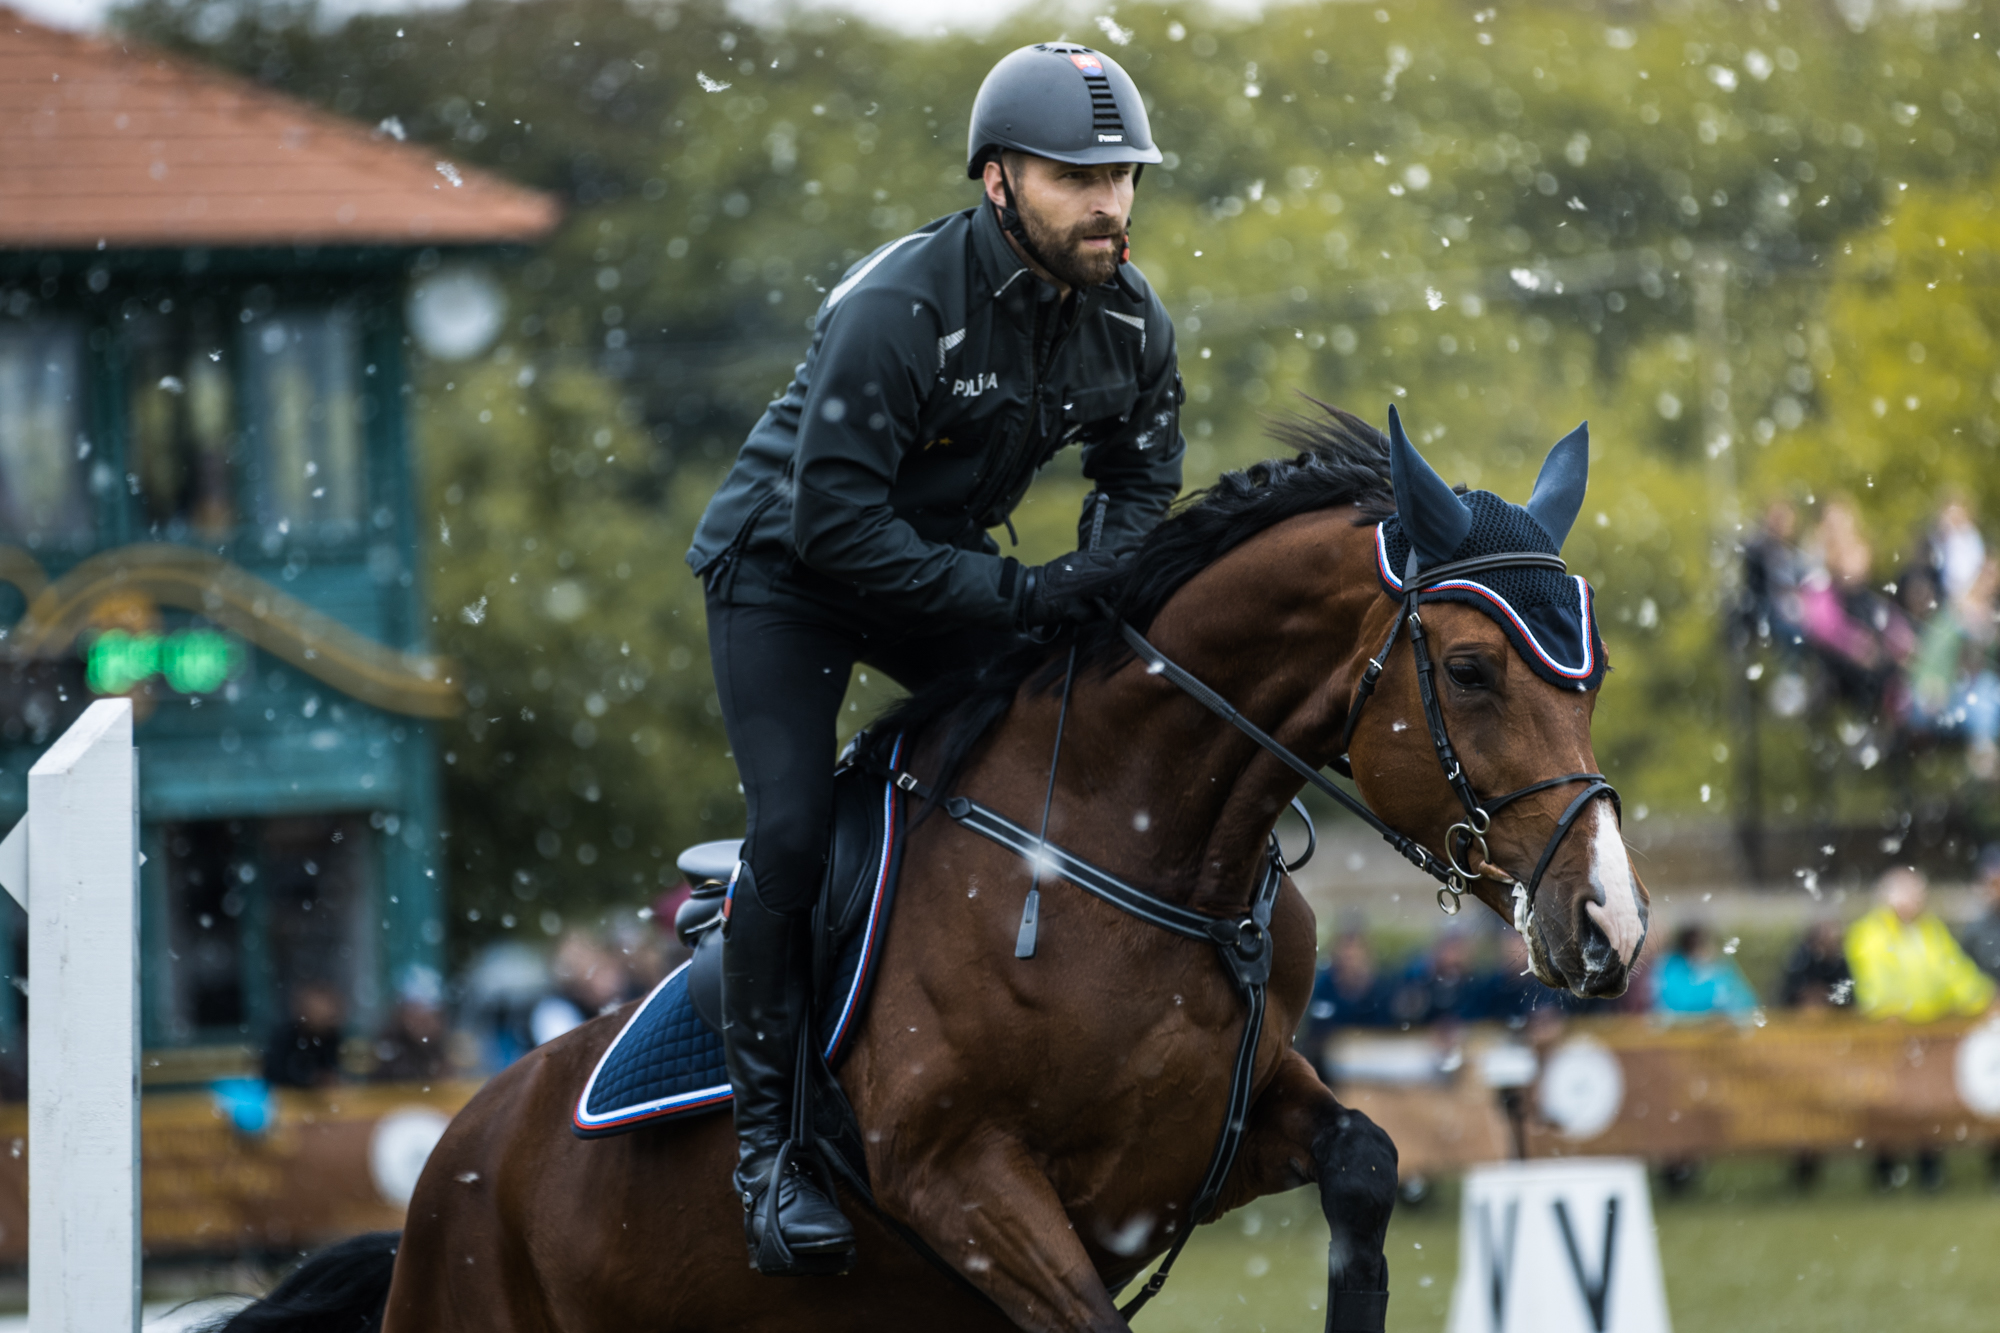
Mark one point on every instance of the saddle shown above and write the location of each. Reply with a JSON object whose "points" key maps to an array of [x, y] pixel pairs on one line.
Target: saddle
{"points": [[667, 1060]]}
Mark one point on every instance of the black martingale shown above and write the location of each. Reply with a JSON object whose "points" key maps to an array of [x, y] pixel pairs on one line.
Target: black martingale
{"points": [[1243, 944]]}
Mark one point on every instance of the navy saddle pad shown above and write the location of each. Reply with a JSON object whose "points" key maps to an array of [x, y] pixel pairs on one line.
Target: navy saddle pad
{"points": [[667, 1061]]}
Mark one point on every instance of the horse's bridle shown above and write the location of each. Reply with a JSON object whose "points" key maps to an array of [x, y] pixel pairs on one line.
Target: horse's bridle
{"points": [[1466, 856]]}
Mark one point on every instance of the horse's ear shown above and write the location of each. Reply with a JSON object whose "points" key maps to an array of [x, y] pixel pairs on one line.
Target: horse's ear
{"points": [[1434, 518], [1559, 489]]}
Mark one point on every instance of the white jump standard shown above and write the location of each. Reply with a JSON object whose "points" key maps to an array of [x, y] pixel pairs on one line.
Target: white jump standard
{"points": [[73, 863]]}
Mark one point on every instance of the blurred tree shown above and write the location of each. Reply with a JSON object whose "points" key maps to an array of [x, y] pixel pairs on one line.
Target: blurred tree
{"points": [[1498, 218], [592, 749], [1908, 352]]}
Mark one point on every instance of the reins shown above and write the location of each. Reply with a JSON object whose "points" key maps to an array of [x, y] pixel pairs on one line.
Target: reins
{"points": [[1031, 908]]}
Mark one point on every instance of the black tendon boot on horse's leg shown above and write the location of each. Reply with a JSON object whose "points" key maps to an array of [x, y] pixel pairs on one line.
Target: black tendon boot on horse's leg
{"points": [[790, 1220], [1357, 1190]]}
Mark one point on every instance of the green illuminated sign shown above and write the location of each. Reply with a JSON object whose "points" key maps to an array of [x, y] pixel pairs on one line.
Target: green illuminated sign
{"points": [[193, 661]]}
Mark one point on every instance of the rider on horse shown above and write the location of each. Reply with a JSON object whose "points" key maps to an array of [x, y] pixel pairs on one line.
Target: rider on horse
{"points": [[945, 369]]}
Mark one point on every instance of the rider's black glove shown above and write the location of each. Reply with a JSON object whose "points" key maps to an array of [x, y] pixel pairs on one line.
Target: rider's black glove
{"points": [[1066, 590]]}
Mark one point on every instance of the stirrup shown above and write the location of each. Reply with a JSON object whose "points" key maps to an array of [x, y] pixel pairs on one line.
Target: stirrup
{"points": [[769, 1252]]}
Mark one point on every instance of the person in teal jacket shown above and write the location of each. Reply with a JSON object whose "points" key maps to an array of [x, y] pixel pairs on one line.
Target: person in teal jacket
{"points": [[1694, 981]]}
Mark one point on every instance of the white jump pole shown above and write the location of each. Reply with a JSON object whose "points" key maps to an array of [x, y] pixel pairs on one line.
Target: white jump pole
{"points": [[73, 863]]}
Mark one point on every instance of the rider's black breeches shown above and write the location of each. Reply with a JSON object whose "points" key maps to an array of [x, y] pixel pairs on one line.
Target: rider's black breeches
{"points": [[781, 670]]}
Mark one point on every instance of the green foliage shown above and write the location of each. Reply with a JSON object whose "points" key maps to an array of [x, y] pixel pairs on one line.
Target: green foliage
{"points": [[1907, 341], [1741, 1248], [1492, 216], [592, 749]]}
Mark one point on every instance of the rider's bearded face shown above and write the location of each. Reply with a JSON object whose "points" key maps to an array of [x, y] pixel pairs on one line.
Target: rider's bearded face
{"points": [[1076, 217]]}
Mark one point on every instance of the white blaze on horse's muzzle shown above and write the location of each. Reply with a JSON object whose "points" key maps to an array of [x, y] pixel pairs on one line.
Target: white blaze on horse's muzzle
{"points": [[1617, 910]]}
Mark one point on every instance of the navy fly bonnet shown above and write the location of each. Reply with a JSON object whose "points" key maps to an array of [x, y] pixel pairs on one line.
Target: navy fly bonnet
{"points": [[1547, 614]]}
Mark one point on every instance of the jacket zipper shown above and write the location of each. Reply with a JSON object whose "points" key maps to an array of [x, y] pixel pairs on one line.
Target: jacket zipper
{"points": [[1001, 480]]}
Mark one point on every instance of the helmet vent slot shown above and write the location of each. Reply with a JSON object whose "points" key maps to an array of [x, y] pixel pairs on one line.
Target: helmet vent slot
{"points": [[1103, 106]]}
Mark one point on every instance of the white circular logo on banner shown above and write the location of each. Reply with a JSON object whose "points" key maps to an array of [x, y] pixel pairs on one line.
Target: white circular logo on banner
{"points": [[1582, 1088], [1977, 1074], [398, 1149]]}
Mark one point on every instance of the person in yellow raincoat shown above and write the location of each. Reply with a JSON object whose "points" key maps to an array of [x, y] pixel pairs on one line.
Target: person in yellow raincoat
{"points": [[1905, 962]]}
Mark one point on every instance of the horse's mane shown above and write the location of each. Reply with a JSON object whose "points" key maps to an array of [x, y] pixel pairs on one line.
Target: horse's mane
{"points": [[1339, 460]]}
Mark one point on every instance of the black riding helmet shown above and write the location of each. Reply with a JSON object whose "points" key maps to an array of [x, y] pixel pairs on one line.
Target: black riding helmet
{"points": [[1064, 102], [1061, 101]]}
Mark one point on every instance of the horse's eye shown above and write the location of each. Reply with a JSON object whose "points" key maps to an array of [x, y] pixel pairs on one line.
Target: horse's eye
{"points": [[1466, 672]]}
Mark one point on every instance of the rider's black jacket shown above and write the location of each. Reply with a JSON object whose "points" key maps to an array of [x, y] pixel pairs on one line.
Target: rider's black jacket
{"points": [[941, 375]]}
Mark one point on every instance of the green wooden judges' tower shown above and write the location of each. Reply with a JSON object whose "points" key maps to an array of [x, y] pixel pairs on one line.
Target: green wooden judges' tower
{"points": [[206, 502]]}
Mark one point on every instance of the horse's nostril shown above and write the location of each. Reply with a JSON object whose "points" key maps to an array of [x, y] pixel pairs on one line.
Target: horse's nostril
{"points": [[1606, 970], [1613, 934]]}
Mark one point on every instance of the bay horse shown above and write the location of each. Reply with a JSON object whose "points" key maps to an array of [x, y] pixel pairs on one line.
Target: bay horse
{"points": [[1041, 1123]]}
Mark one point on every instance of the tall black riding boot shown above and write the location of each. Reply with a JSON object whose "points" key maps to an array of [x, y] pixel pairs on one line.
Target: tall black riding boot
{"points": [[793, 1226]]}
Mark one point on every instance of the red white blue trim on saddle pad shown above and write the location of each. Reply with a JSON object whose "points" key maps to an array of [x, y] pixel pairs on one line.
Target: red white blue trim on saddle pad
{"points": [[667, 1062]]}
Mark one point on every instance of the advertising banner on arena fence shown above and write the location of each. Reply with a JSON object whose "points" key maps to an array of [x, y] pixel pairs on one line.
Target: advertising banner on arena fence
{"points": [[1827, 1083], [1631, 1087]]}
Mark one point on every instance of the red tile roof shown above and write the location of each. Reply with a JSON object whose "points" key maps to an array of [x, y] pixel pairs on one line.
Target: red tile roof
{"points": [[105, 140]]}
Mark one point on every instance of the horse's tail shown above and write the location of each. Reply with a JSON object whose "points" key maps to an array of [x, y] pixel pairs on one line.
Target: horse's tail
{"points": [[341, 1289]]}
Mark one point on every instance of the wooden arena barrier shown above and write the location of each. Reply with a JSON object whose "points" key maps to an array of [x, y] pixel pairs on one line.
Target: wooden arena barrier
{"points": [[331, 1163], [1828, 1082], [328, 1165]]}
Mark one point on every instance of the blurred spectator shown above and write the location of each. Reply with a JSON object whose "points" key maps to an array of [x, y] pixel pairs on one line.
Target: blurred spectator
{"points": [[1512, 992], [1815, 977], [1859, 634], [1816, 974], [305, 1050], [1906, 965], [412, 1045], [1772, 571], [1953, 689], [1981, 940], [1958, 552], [590, 980], [1443, 985], [501, 989], [1346, 992], [672, 952], [647, 949], [1905, 962], [1695, 981]]}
